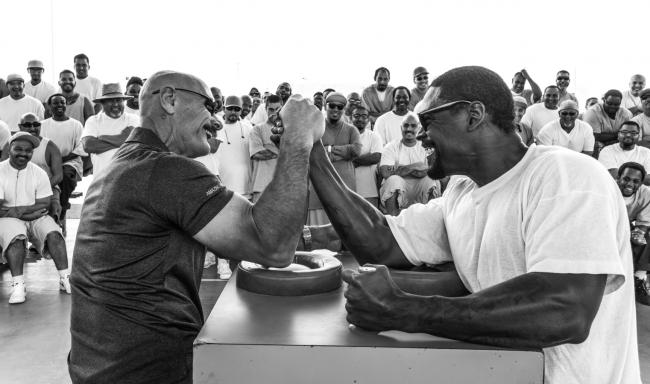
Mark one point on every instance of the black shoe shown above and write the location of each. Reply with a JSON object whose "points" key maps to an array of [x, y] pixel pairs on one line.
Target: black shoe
{"points": [[641, 291]]}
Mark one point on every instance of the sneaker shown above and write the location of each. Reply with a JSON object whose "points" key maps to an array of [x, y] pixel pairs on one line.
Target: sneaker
{"points": [[17, 293], [223, 269], [641, 291], [64, 284]]}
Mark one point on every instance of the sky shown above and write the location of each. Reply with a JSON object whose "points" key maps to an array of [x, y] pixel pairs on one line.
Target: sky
{"points": [[330, 44]]}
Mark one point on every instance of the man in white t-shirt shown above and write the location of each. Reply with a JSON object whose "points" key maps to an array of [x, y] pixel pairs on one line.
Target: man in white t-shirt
{"points": [[403, 167], [613, 156], [87, 85], [284, 91], [133, 87], [37, 88], [568, 131], [233, 153], [389, 125], [643, 119], [263, 152], [631, 99], [538, 115], [14, 106], [539, 236], [5, 134], [105, 132], [25, 195], [365, 171]]}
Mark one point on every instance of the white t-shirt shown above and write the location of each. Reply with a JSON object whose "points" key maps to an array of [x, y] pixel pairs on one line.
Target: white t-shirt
{"points": [[389, 126], [234, 157], [381, 95], [90, 87], [260, 116], [613, 156], [5, 134], [556, 211], [396, 153], [629, 100], [12, 110], [638, 206], [537, 116], [23, 187], [644, 124], [130, 110], [365, 175], [40, 91], [102, 124], [67, 136], [581, 137]]}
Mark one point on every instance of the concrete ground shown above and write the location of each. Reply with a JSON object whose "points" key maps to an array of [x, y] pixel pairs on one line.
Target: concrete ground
{"points": [[35, 337]]}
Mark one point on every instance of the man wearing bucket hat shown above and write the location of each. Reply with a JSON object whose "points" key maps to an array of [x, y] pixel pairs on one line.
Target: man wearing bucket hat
{"points": [[25, 195], [14, 106], [567, 131], [145, 226], [106, 131], [421, 80], [37, 88]]}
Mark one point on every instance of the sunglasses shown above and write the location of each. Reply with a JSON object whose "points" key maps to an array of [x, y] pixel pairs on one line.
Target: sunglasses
{"points": [[420, 78], [35, 124], [210, 105], [427, 115], [409, 125], [563, 78], [563, 113], [358, 116], [236, 109], [335, 106]]}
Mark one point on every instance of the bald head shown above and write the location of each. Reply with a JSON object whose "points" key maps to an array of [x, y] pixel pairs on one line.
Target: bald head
{"points": [[173, 80], [637, 83]]}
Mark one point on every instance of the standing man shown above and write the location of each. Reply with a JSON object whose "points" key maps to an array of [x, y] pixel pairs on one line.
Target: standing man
{"points": [[87, 85], [643, 119], [606, 118], [568, 131], [318, 100], [354, 100], [540, 114], [78, 106], [562, 80], [133, 86], [37, 88], [631, 97], [421, 80], [14, 106], [234, 153], [246, 106], [519, 80], [263, 152], [365, 171], [284, 91], [377, 97], [626, 150], [525, 281], [139, 252], [105, 132], [389, 125]]}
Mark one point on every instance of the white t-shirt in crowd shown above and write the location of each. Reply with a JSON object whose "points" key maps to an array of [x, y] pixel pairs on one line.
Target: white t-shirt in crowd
{"points": [[644, 125], [366, 175], [537, 116], [629, 100], [260, 116], [12, 110], [556, 211], [381, 95], [581, 137], [130, 110], [613, 156], [23, 187], [40, 91], [67, 136], [396, 153], [102, 124], [234, 157], [5, 134], [389, 126], [638, 206], [90, 87]]}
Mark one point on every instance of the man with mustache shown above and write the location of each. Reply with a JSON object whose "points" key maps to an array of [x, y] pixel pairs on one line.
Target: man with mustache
{"points": [[377, 97], [562, 80], [105, 132], [613, 156], [78, 106], [389, 125], [631, 97], [421, 80], [606, 118], [567, 131], [133, 86], [538, 115], [14, 106]]}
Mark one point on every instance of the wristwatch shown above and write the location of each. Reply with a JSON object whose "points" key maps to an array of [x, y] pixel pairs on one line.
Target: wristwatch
{"points": [[329, 148], [306, 237]]}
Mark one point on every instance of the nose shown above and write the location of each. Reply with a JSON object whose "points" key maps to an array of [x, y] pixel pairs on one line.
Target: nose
{"points": [[422, 134]]}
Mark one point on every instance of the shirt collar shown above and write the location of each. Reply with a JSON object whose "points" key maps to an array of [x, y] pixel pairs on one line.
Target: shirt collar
{"points": [[147, 137]]}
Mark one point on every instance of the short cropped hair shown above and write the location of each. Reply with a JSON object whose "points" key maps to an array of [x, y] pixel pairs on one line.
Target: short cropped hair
{"points": [[551, 86], [629, 122], [49, 99], [379, 70], [401, 87], [81, 56], [272, 99], [67, 71], [632, 165], [613, 92]]}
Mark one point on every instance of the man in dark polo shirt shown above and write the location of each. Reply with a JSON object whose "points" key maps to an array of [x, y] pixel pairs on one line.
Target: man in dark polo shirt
{"points": [[145, 226]]}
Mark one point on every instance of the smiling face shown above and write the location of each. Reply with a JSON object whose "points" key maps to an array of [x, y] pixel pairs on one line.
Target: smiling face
{"points": [[16, 89], [629, 181], [30, 124], [410, 128], [637, 83], [35, 74], [568, 118], [628, 135], [67, 82], [284, 91], [401, 100], [113, 108], [58, 106], [562, 80], [360, 118], [551, 97], [519, 110], [20, 153], [421, 81]]}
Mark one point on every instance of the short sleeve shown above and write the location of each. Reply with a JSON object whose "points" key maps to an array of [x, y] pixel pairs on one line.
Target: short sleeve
{"points": [[544, 137], [590, 118], [5, 134], [90, 129], [589, 139], [643, 216], [527, 118], [375, 143], [255, 143], [184, 192], [40, 111], [43, 188], [388, 155]]}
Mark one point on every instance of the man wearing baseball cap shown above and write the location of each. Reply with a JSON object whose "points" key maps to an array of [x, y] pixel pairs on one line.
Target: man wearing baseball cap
{"points": [[37, 88], [421, 80], [567, 131], [14, 106], [25, 195], [105, 132], [145, 226]]}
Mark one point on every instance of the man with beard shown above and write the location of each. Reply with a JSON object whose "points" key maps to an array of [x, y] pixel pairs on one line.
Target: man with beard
{"points": [[218, 102], [631, 97], [233, 153], [377, 97], [365, 170], [318, 100], [343, 145], [643, 119], [14, 106], [568, 131], [263, 152], [519, 80], [246, 106], [87, 85], [626, 150], [133, 86], [354, 100], [284, 91], [522, 130], [37, 88], [389, 125], [637, 201], [145, 227], [105, 132], [606, 118], [66, 133], [79, 107], [421, 80], [562, 80], [521, 280], [538, 115]]}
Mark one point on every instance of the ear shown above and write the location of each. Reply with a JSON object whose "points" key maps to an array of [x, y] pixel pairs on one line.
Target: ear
{"points": [[168, 99], [477, 115]]}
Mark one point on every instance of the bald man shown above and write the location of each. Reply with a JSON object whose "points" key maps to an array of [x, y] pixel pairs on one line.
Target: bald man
{"points": [[631, 97], [147, 221]]}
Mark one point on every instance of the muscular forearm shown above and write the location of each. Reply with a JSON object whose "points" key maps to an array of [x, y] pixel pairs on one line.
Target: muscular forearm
{"points": [[429, 283], [265, 154], [537, 91], [367, 159], [96, 145]]}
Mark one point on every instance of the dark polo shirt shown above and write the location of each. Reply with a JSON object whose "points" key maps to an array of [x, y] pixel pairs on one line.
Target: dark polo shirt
{"points": [[136, 269]]}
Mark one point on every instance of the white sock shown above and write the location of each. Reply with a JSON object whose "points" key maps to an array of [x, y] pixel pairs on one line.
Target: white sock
{"points": [[19, 279], [641, 275], [64, 272]]}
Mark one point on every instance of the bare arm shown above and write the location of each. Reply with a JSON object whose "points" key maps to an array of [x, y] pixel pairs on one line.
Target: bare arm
{"points": [[88, 109], [265, 154], [537, 92], [105, 143], [28, 212], [53, 156], [367, 159], [606, 137]]}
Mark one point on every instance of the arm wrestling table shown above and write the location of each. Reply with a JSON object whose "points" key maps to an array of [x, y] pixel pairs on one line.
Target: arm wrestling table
{"points": [[250, 338]]}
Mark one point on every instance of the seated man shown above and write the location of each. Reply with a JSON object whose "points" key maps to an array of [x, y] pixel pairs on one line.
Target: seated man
{"points": [[643, 119], [568, 131], [626, 150], [25, 196], [404, 167], [606, 118], [631, 100], [637, 202], [522, 129]]}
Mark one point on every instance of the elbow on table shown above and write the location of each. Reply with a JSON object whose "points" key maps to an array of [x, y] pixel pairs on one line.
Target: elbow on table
{"points": [[279, 258]]}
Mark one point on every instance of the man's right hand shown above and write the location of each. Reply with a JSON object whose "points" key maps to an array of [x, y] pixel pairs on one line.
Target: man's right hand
{"points": [[303, 124]]}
